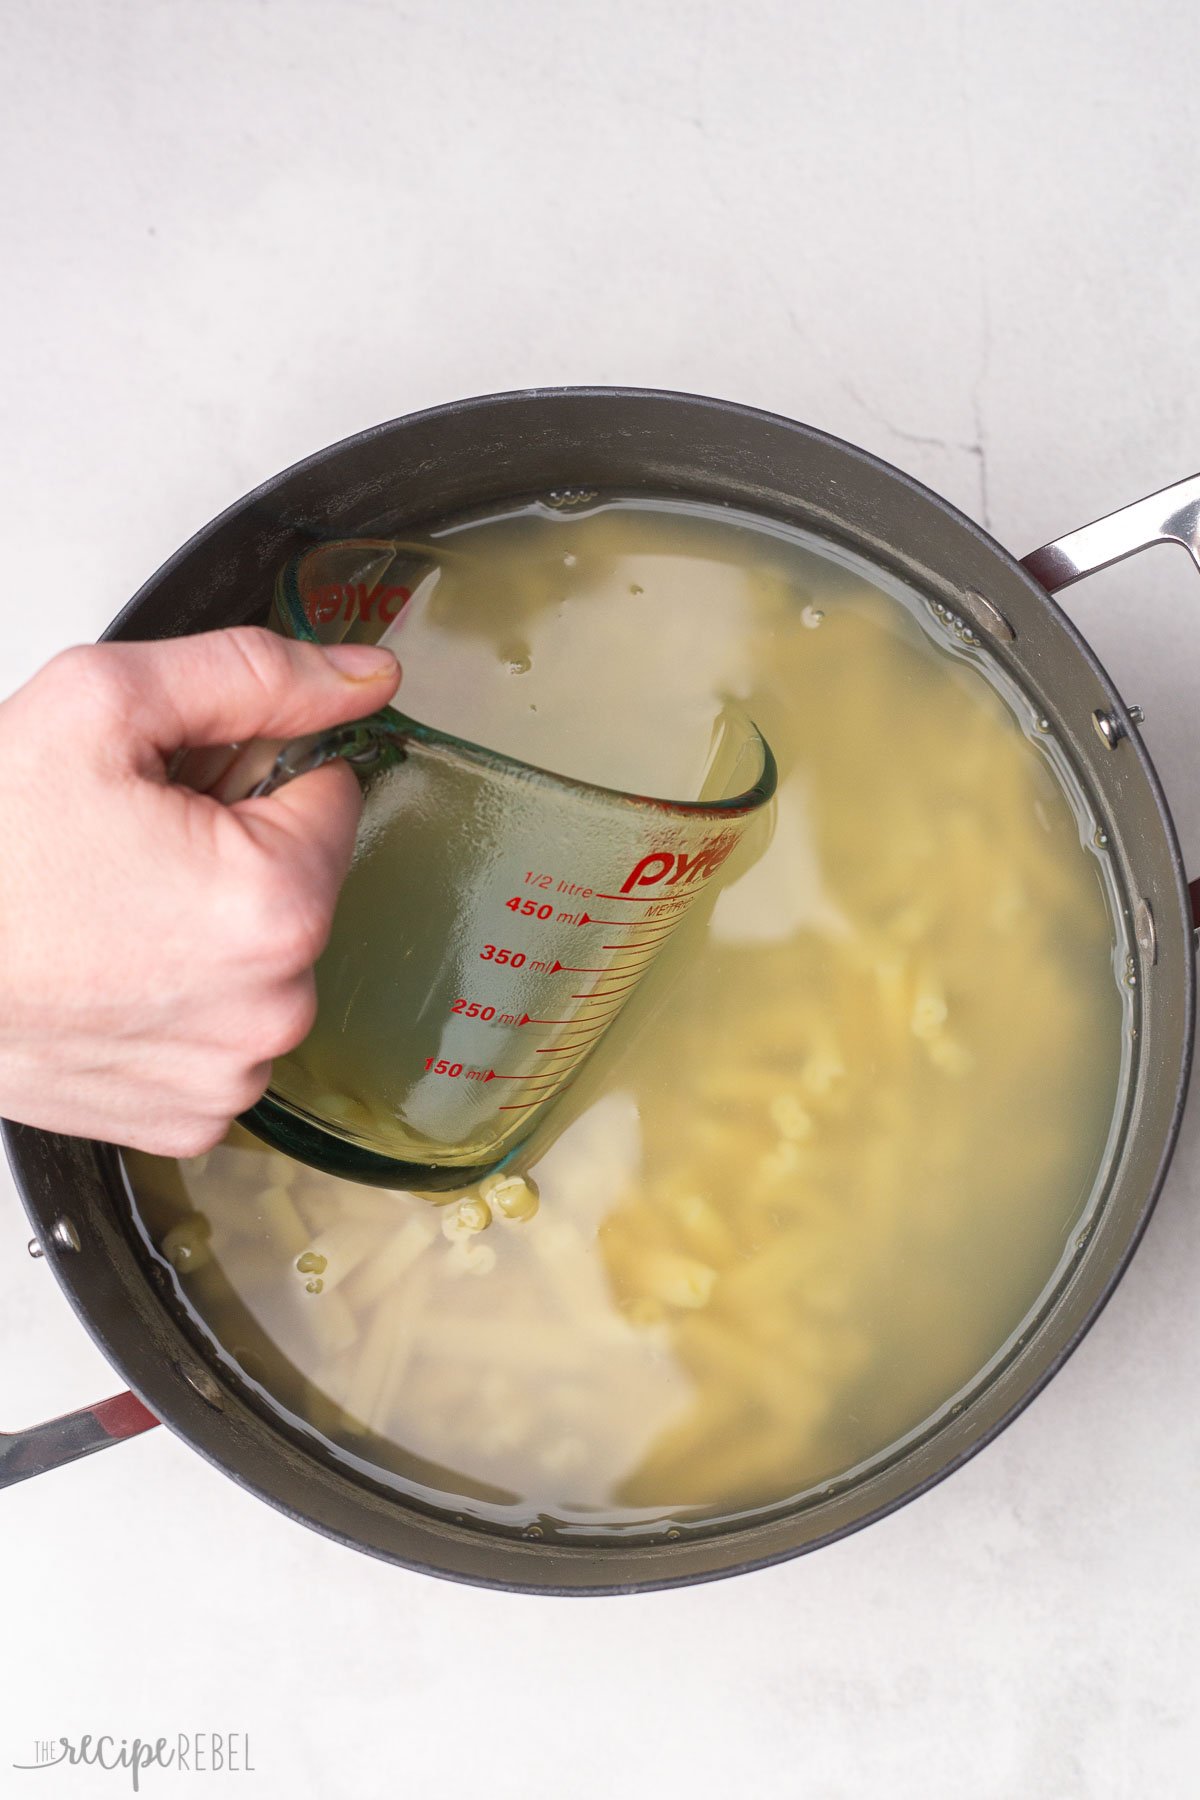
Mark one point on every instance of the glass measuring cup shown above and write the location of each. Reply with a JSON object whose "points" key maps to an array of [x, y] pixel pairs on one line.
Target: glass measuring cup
{"points": [[495, 922]]}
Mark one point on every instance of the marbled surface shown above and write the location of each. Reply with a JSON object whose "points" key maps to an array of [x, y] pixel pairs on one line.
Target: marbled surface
{"points": [[961, 235]]}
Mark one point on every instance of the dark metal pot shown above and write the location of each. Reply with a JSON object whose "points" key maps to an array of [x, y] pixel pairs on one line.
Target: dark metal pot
{"points": [[473, 454]]}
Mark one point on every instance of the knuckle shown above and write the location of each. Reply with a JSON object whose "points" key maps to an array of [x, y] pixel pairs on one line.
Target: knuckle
{"points": [[254, 905], [90, 678], [278, 917], [287, 1021], [243, 1089], [301, 929], [204, 1137], [265, 658], [71, 664], [183, 1139]]}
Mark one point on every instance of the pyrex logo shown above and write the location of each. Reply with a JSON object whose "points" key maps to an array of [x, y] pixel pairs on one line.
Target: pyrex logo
{"points": [[667, 868], [351, 600]]}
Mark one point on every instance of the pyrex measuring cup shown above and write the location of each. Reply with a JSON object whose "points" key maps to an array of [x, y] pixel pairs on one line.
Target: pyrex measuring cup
{"points": [[495, 922]]}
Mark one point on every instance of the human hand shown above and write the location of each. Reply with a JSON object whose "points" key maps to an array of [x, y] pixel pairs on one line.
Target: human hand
{"points": [[156, 947]]}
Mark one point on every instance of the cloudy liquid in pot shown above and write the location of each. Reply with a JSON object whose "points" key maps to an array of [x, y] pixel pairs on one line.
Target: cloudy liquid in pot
{"points": [[833, 1152]]}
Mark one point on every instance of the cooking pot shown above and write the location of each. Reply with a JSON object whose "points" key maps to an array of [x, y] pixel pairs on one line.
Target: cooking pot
{"points": [[478, 453]]}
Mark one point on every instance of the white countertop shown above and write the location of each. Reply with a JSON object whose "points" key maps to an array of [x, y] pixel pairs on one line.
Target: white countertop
{"points": [[961, 236]]}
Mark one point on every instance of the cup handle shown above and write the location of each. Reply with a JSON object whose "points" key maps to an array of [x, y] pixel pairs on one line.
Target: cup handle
{"points": [[369, 743], [250, 771]]}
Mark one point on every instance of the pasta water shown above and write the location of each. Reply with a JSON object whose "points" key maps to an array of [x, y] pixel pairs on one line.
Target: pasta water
{"points": [[826, 1166]]}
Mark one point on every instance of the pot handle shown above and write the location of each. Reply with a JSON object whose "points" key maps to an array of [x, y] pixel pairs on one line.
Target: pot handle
{"points": [[1171, 516], [64, 1440]]}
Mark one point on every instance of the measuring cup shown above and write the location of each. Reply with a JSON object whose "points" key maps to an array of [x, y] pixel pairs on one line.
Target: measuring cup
{"points": [[495, 922]]}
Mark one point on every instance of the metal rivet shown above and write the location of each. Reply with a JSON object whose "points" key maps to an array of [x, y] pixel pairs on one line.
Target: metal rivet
{"points": [[1110, 729], [1145, 930], [987, 617], [34, 1248], [1136, 715], [64, 1235], [205, 1385]]}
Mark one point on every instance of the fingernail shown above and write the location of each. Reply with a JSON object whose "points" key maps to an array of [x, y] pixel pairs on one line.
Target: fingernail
{"points": [[360, 662]]}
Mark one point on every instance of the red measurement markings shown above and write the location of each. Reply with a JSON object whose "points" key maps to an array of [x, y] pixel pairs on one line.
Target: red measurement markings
{"points": [[628, 924], [678, 902], [456, 1071], [571, 890], [539, 1079], [585, 1039], [656, 938], [655, 899], [604, 968], [524, 1105]]}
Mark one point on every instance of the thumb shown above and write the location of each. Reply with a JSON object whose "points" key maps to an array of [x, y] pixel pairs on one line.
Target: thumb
{"points": [[223, 687]]}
